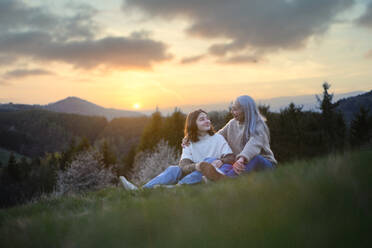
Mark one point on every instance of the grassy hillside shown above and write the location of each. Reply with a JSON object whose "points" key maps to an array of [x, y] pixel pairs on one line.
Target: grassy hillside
{"points": [[324, 202]]}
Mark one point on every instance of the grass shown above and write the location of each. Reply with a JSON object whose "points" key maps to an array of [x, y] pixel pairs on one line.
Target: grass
{"points": [[325, 202]]}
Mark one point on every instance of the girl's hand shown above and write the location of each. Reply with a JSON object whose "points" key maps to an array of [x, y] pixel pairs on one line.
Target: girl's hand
{"points": [[217, 163], [239, 166], [197, 166]]}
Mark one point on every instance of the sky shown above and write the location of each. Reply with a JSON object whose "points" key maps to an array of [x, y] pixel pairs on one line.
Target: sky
{"points": [[139, 54]]}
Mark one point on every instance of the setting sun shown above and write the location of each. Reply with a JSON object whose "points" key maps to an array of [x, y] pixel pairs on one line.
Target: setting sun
{"points": [[136, 106]]}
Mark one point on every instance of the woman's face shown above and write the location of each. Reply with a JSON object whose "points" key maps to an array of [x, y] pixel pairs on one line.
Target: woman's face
{"points": [[237, 111], [203, 123]]}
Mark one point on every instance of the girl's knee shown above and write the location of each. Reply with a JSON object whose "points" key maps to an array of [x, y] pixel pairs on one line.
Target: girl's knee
{"points": [[174, 169]]}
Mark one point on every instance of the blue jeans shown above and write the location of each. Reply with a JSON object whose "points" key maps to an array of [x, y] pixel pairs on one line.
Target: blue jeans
{"points": [[172, 175], [257, 163]]}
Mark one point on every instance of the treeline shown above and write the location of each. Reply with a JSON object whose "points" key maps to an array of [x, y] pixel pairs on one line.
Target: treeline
{"points": [[35, 132], [295, 134]]}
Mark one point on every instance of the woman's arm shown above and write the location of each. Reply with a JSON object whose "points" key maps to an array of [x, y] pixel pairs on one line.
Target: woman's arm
{"points": [[223, 131], [254, 145]]}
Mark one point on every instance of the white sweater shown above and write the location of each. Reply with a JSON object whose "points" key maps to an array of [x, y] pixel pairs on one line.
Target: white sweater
{"points": [[214, 146]]}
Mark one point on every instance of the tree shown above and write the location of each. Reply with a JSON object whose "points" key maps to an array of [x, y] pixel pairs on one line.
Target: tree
{"points": [[83, 145], [13, 168], [360, 129], [127, 162], [152, 133], [109, 157], [332, 123], [173, 129]]}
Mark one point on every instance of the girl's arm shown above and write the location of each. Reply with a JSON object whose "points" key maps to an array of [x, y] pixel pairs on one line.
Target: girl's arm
{"points": [[187, 166], [228, 159]]}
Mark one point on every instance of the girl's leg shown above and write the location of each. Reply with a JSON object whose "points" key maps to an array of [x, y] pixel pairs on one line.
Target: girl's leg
{"points": [[228, 170], [171, 175], [192, 178], [258, 163]]}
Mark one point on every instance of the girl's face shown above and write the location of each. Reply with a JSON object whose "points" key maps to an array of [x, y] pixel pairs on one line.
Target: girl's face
{"points": [[237, 111], [203, 123]]}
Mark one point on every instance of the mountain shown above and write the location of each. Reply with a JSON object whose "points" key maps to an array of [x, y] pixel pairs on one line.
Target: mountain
{"points": [[75, 105], [308, 102], [351, 106]]}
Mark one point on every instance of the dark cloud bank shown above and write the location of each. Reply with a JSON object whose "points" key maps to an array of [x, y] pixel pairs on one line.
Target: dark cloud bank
{"points": [[37, 34], [254, 27]]}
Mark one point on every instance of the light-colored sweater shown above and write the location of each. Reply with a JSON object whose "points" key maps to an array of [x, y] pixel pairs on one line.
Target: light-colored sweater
{"points": [[258, 144], [214, 146]]}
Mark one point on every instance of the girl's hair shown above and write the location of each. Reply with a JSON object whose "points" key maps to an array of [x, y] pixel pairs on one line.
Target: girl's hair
{"points": [[191, 129], [252, 117]]}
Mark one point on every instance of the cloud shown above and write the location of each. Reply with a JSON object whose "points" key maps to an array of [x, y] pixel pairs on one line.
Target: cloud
{"points": [[21, 73], [365, 20], [110, 52], [7, 60], [15, 14], [240, 59], [369, 54], [251, 27], [192, 59], [36, 34]]}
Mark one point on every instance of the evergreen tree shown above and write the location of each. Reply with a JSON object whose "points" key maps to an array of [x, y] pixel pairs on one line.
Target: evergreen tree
{"points": [[360, 129], [83, 145], [173, 129], [332, 123], [109, 157], [66, 156], [152, 133], [25, 168], [127, 162], [13, 168]]}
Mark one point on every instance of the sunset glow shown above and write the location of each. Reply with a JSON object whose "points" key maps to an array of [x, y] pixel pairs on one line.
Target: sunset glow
{"points": [[115, 52]]}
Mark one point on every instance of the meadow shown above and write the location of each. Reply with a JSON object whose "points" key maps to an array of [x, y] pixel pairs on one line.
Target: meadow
{"points": [[322, 202]]}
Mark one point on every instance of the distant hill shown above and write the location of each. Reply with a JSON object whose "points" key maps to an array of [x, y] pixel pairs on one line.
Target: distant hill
{"points": [[74, 105], [351, 106], [308, 102]]}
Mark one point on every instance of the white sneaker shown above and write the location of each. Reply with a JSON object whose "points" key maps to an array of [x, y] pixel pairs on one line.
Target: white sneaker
{"points": [[127, 185], [205, 179]]}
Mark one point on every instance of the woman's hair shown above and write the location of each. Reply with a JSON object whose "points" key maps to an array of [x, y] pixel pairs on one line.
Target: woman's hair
{"points": [[252, 117], [191, 129]]}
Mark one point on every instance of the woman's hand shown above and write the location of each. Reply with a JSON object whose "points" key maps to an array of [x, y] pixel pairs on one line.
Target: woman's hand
{"points": [[185, 142], [217, 163], [239, 166]]}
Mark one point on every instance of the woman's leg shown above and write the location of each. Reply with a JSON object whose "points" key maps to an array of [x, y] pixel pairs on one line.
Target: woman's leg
{"points": [[171, 175], [192, 178], [258, 163]]}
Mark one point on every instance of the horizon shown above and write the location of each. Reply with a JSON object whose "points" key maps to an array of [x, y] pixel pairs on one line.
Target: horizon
{"points": [[137, 54], [217, 106]]}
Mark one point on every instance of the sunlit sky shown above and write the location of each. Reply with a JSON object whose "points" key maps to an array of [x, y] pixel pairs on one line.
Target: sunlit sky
{"points": [[138, 54]]}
